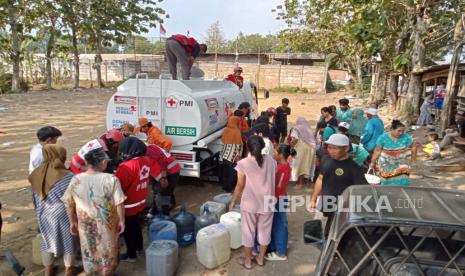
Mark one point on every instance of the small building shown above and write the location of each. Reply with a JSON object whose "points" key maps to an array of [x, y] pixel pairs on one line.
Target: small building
{"points": [[433, 76], [309, 59]]}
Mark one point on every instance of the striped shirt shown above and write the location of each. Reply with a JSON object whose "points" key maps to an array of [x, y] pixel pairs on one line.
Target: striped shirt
{"points": [[53, 220]]}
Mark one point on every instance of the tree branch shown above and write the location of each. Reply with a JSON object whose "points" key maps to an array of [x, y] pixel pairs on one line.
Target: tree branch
{"points": [[441, 37]]}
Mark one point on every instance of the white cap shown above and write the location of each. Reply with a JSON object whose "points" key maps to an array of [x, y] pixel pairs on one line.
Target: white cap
{"points": [[345, 125], [338, 139], [372, 111]]}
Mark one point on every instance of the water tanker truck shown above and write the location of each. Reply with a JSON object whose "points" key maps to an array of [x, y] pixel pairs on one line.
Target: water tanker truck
{"points": [[191, 113]]}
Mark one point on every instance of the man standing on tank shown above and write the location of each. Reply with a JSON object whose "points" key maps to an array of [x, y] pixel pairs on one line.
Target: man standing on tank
{"points": [[182, 49]]}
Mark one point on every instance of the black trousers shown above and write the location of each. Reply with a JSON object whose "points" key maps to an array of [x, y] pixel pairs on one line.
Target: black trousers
{"points": [[228, 176], [163, 198], [282, 133], [133, 236], [329, 222]]}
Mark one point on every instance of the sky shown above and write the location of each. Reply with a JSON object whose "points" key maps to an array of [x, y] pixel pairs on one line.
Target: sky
{"points": [[195, 16]]}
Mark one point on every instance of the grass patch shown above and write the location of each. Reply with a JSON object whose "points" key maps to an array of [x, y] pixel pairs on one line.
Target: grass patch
{"points": [[290, 89]]}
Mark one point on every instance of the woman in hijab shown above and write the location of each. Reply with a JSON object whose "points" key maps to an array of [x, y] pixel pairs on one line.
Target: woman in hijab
{"points": [[95, 204], [358, 123], [232, 151], [49, 182], [304, 144], [134, 174]]}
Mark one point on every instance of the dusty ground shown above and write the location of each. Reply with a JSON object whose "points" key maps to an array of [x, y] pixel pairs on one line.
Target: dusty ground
{"points": [[81, 115]]}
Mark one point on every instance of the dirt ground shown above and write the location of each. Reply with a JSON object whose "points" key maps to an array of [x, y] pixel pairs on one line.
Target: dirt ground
{"points": [[80, 115]]}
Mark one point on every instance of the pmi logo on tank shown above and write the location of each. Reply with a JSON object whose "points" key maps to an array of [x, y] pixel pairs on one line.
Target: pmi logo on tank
{"points": [[173, 102]]}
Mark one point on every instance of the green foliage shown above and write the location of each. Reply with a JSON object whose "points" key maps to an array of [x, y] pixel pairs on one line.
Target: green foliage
{"points": [[252, 43], [5, 83], [142, 45], [289, 89]]}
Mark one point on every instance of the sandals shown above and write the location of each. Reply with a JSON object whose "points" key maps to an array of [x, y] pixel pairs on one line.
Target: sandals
{"points": [[241, 262], [256, 261]]}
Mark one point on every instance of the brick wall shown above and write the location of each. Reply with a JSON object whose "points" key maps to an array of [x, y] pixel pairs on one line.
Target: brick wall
{"points": [[116, 67]]}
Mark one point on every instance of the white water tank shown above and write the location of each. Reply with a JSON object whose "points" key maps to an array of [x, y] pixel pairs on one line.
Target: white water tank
{"points": [[232, 221], [213, 245], [185, 111]]}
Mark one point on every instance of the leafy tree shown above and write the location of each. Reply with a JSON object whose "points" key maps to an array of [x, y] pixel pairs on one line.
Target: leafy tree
{"points": [[44, 17], [12, 17], [253, 43], [72, 14], [108, 22], [407, 34], [142, 45], [214, 38]]}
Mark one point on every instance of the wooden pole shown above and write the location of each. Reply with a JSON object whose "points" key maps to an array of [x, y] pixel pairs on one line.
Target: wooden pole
{"points": [[90, 73], [302, 77]]}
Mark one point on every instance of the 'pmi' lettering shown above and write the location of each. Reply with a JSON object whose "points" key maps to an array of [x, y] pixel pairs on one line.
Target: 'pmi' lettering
{"points": [[186, 103]]}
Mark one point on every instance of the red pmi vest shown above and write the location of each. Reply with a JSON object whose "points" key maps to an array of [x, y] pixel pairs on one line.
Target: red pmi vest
{"points": [[163, 158], [188, 42], [134, 178]]}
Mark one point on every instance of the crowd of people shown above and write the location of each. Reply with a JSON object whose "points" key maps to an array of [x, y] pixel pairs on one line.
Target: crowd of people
{"points": [[103, 194], [87, 207]]}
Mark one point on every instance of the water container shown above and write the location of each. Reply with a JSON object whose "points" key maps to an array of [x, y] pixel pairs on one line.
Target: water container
{"points": [[36, 251], [215, 208], [185, 226], [232, 221], [205, 219], [213, 245], [161, 258], [160, 217], [223, 198], [236, 208], [162, 230]]}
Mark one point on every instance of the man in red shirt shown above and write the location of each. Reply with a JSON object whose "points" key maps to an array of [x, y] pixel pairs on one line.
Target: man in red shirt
{"points": [[134, 173], [163, 188], [182, 49], [236, 77]]}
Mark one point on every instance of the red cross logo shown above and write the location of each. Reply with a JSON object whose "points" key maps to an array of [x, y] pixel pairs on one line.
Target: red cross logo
{"points": [[171, 102], [90, 145], [144, 172]]}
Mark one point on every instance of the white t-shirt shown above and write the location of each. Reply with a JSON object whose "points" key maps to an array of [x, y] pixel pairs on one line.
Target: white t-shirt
{"points": [[36, 157], [268, 149]]}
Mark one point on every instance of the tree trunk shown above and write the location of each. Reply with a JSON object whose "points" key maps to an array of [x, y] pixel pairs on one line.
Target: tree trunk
{"points": [[76, 56], [358, 71], [418, 61], [48, 57], [392, 97], [453, 78], [98, 60], [15, 54]]}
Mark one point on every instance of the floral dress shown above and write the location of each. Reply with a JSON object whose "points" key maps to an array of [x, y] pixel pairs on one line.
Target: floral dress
{"points": [[95, 198], [393, 164]]}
